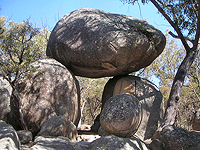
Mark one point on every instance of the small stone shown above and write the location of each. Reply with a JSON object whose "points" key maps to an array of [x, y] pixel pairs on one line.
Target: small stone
{"points": [[59, 126], [24, 136]]}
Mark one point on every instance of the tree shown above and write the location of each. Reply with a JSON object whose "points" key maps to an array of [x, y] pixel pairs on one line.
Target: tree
{"points": [[165, 68], [183, 16], [91, 93], [20, 45]]}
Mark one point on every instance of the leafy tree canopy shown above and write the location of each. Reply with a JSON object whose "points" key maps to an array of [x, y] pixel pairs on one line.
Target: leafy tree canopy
{"points": [[183, 13], [20, 45]]}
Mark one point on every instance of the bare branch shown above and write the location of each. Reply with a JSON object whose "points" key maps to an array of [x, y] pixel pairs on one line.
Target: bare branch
{"points": [[174, 25], [177, 37], [197, 36]]}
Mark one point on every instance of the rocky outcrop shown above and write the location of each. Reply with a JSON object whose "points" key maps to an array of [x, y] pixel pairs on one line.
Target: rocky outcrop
{"points": [[95, 43], [8, 137], [59, 126], [173, 138], [147, 93], [121, 115], [48, 90], [113, 142]]}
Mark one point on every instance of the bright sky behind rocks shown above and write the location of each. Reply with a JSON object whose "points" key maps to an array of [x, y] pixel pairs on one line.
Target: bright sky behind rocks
{"points": [[46, 13]]}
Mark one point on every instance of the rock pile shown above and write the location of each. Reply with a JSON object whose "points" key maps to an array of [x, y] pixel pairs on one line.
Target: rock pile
{"points": [[9, 140], [90, 43], [147, 93]]}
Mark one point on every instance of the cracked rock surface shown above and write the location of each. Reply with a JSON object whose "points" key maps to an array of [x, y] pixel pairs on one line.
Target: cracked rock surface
{"points": [[95, 43], [121, 115]]}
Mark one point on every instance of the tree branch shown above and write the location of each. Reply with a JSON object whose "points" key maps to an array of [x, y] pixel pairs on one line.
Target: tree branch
{"points": [[177, 37], [196, 41], [174, 25]]}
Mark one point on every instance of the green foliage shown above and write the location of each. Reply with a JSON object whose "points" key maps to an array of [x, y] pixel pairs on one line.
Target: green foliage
{"points": [[165, 68], [20, 45], [183, 13], [2, 26], [91, 94]]}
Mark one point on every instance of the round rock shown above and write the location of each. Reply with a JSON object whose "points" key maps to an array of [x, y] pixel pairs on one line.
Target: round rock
{"points": [[48, 90], [94, 43], [121, 115], [147, 93]]}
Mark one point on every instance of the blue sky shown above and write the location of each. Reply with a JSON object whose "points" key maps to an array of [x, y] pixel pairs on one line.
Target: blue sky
{"points": [[48, 12]]}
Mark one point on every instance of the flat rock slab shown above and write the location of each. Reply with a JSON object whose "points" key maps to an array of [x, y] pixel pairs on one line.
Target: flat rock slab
{"points": [[94, 43]]}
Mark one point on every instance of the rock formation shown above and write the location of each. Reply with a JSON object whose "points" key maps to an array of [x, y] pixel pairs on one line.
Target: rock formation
{"points": [[89, 43], [147, 93], [8, 137], [48, 90], [5, 93], [95, 43], [121, 115], [52, 143]]}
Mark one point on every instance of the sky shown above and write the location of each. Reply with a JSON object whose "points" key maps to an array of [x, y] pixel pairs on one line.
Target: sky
{"points": [[46, 13]]}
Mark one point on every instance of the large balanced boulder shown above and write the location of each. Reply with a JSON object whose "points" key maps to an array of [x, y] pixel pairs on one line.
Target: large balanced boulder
{"points": [[147, 93], [95, 43], [48, 90], [121, 115]]}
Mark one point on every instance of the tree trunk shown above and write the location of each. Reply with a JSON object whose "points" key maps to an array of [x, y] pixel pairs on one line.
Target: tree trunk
{"points": [[191, 53], [175, 93], [174, 97], [16, 104]]}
